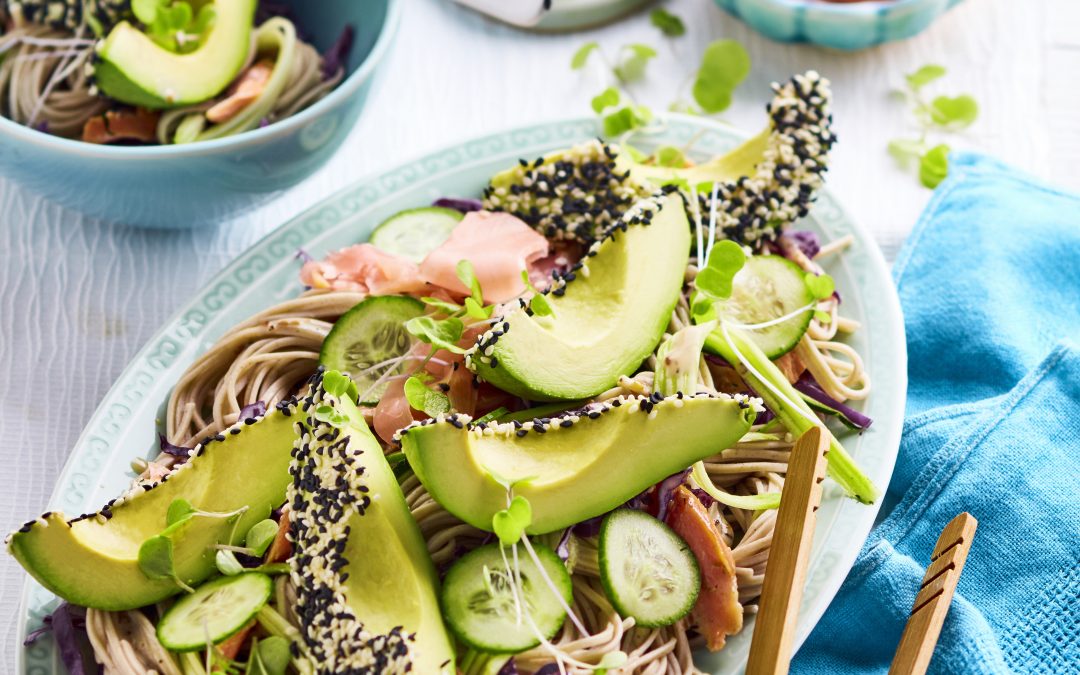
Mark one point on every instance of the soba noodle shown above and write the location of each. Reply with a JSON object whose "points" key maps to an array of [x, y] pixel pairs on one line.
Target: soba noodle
{"points": [[269, 356]]}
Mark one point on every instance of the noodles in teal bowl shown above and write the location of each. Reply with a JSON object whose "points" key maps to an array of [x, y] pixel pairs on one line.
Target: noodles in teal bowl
{"points": [[180, 113]]}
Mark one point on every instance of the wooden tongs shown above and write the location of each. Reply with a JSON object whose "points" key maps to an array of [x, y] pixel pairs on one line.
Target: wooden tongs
{"points": [[774, 632]]}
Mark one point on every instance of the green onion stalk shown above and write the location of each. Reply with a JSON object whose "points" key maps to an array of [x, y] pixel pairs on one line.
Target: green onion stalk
{"points": [[784, 401]]}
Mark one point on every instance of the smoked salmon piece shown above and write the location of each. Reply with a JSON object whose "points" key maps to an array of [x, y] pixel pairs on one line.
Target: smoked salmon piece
{"points": [[717, 612]]}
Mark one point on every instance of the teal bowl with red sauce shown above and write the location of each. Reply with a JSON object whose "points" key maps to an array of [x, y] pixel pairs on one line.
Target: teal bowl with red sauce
{"points": [[201, 184]]}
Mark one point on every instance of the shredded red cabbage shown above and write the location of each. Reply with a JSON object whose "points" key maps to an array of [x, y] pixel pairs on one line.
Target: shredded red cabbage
{"points": [[805, 240], [256, 409], [334, 58], [563, 549], [303, 256], [174, 450], [809, 386], [549, 669], [509, 668], [64, 623], [706, 498], [666, 490], [463, 204], [590, 527]]}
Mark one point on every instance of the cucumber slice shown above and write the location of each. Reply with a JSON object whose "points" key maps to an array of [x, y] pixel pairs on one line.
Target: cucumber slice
{"points": [[478, 603], [217, 610], [414, 233], [647, 570], [766, 288], [370, 333]]}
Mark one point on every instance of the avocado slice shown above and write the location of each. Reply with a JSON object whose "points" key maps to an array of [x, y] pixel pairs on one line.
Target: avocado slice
{"points": [[575, 466], [366, 586], [134, 69], [608, 313], [93, 560]]}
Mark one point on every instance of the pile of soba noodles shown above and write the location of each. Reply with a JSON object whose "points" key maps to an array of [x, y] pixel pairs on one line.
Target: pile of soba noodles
{"points": [[46, 76]]}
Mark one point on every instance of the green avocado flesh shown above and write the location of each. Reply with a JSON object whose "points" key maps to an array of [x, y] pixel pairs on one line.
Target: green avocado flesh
{"points": [[576, 472], [134, 69], [391, 580], [609, 319], [93, 562], [727, 167]]}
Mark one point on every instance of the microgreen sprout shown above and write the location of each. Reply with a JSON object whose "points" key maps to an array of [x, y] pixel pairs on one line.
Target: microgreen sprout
{"points": [[941, 113], [439, 333], [174, 25], [669, 24], [538, 303], [724, 66], [629, 67], [423, 398]]}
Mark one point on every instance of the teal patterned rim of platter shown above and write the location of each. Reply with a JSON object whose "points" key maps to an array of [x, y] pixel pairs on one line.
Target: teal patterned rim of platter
{"points": [[840, 25], [124, 425]]}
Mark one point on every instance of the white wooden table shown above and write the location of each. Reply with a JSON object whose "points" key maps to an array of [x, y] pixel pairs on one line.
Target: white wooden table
{"points": [[79, 297]]}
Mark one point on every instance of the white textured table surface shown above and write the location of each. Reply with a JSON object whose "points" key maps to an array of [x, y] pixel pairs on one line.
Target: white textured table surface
{"points": [[79, 297]]}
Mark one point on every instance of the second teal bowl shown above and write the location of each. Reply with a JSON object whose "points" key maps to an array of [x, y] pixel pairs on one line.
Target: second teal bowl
{"points": [[847, 26], [184, 186]]}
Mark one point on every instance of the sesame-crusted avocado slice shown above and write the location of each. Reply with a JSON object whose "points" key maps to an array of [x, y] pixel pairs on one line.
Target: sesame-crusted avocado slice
{"points": [[573, 466], [608, 313], [132, 68], [769, 181], [93, 560], [573, 194], [367, 591]]}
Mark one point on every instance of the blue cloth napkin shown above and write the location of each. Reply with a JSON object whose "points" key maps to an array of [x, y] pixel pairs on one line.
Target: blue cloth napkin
{"points": [[990, 286]]}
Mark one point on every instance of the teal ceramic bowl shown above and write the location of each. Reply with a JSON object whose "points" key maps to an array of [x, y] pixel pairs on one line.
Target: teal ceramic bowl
{"points": [[848, 26], [184, 186]]}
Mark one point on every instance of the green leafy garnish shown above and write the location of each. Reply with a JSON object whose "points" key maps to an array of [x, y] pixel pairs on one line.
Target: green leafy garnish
{"points": [[439, 333], [942, 113], [510, 523], [671, 156], [156, 560], [668, 23], [329, 415], [340, 385], [467, 275], [260, 536], [227, 563], [605, 99], [474, 304], [179, 511], [725, 260], [821, 286], [173, 25], [442, 305], [632, 61], [724, 66], [538, 303], [615, 659], [269, 656], [581, 56], [924, 76], [423, 398], [626, 119], [934, 166], [822, 316]]}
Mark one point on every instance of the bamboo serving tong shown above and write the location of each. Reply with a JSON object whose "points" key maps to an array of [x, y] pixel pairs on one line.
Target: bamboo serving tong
{"points": [[774, 632]]}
